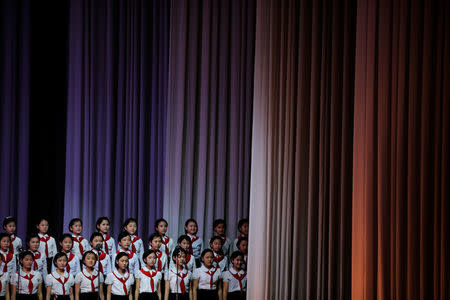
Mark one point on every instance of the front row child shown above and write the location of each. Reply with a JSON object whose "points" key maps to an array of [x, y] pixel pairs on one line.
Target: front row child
{"points": [[119, 282], [178, 278], [30, 282], [207, 284], [148, 278], [235, 279], [89, 282], [59, 282]]}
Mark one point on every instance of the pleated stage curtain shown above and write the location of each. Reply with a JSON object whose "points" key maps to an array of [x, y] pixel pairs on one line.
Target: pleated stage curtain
{"points": [[207, 170], [301, 188], [117, 97]]}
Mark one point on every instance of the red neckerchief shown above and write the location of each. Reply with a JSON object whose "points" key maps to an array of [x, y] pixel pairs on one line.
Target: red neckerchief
{"points": [[224, 238], [106, 237], [150, 275], [6, 259], [45, 238], [123, 280], [165, 240], [133, 248], [182, 276], [79, 239], [239, 278], [130, 253], [241, 236], [193, 239], [11, 246], [30, 283], [62, 282], [91, 278], [100, 257], [219, 258], [159, 255], [210, 272], [37, 255]]}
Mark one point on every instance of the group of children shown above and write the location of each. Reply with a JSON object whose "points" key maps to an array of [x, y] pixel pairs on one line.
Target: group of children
{"points": [[98, 268]]}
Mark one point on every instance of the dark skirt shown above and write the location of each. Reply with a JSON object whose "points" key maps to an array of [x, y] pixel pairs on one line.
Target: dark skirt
{"points": [[118, 297], [89, 296], [173, 296], [236, 296], [207, 295], [2, 297], [148, 296], [27, 297], [60, 297]]}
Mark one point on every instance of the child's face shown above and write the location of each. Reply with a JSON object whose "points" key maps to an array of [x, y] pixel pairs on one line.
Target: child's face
{"points": [[33, 244], [27, 262], [131, 228], [181, 259], [161, 228], [76, 228], [43, 227], [208, 259], [191, 228], [5, 243], [103, 227], [150, 260], [123, 263], [61, 263], [97, 241], [237, 262], [243, 246], [10, 228], [90, 260], [220, 229], [125, 242], [244, 229], [66, 244], [216, 245], [184, 244], [156, 243]]}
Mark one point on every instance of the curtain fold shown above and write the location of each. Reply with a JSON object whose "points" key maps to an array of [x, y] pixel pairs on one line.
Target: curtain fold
{"points": [[14, 110], [302, 151], [209, 114], [117, 93]]}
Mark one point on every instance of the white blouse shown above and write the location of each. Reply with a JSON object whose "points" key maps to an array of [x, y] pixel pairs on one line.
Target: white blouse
{"points": [[149, 281], [233, 282], [73, 264], [60, 284], [204, 276], [109, 245], [175, 277], [80, 245], [45, 239], [8, 262], [120, 284], [27, 282], [89, 282], [16, 243], [133, 263], [197, 245], [4, 280]]}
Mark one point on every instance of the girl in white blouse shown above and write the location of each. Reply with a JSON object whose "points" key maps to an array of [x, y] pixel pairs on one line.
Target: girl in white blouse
{"points": [[27, 283], [119, 282], [235, 279], [60, 282], [148, 278], [178, 277], [89, 282], [207, 280]]}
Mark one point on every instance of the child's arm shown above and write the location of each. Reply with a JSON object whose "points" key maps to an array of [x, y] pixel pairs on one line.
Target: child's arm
{"points": [[71, 293], [224, 290], [194, 289], [77, 291], [167, 290], [138, 285], [7, 291], [49, 291], [40, 296], [219, 289], [100, 291], [108, 292], [159, 290], [13, 291]]}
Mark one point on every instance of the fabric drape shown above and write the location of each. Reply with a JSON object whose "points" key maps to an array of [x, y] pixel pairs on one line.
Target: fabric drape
{"points": [[14, 110], [209, 114], [401, 143], [117, 94], [300, 192]]}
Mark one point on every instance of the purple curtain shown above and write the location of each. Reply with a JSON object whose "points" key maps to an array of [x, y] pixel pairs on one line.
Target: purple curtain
{"points": [[117, 91], [210, 114], [14, 110]]}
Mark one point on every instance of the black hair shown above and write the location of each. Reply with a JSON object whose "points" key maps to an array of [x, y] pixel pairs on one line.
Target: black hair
{"points": [[154, 235], [25, 253], [94, 234], [122, 235], [119, 256], [206, 251], [159, 221], [216, 237], [4, 234], [86, 254], [147, 253], [236, 254], [184, 237], [240, 240], [30, 236], [217, 222], [40, 219], [189, 221], [177, 252], [100, 220], [242, 222], [64, 236], [128, 221], [57, 256], [8, 220], [73, 221]]}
